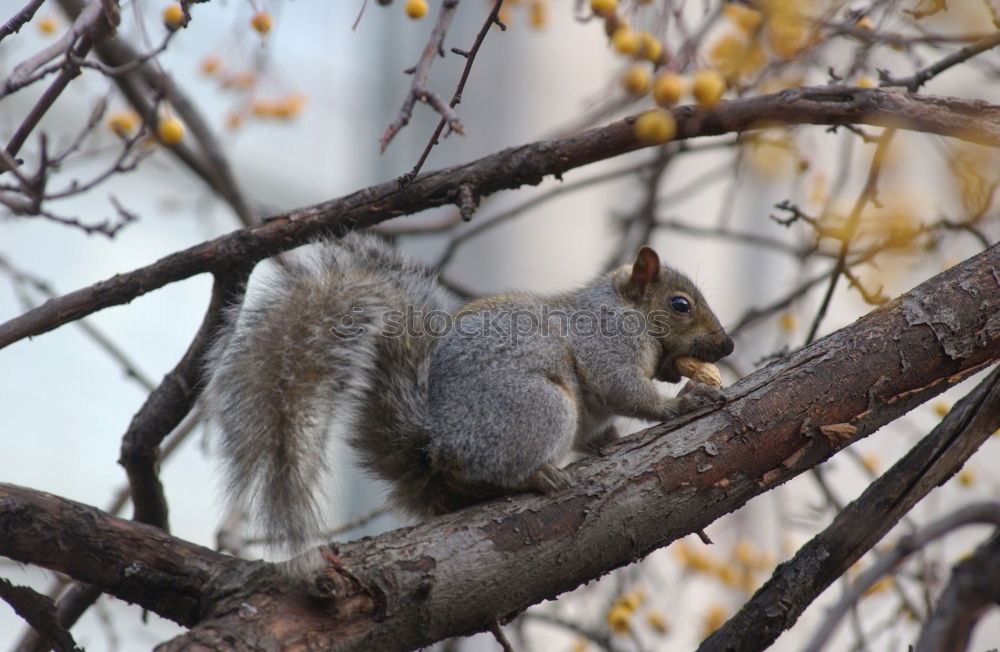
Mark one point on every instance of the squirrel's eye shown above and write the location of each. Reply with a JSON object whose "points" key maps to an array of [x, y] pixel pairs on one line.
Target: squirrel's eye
{"points": [[680, 304]]}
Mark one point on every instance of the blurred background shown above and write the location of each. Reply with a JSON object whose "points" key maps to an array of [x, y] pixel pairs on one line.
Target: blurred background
{"points": [[299, 112]]}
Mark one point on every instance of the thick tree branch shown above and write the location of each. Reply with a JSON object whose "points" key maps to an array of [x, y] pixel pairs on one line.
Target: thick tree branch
{"points": [[403, 589], [777, 605], [511, 168]]}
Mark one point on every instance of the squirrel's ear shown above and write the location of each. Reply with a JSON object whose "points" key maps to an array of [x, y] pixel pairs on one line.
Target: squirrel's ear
{"points": [[645, 270]]}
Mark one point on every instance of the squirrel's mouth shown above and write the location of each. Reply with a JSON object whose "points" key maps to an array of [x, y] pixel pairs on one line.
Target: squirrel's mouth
{"points": [[666, 371]]}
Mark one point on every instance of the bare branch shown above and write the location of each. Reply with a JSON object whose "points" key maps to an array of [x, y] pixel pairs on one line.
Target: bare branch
{"points": [[418, 89], [979, 513], [974, 587], [777, 605], [18, 20], [915, 81], [470, 56], [528, 164]]}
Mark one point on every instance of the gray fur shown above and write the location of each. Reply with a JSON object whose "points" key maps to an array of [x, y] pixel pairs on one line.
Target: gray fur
{"points": [[446, 421]]}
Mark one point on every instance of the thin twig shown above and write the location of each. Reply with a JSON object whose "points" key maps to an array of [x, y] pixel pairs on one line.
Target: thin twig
{"points": [[470, 56], [851, 227], [978, 513], [20, 19], [915, 81], [418, 89]]}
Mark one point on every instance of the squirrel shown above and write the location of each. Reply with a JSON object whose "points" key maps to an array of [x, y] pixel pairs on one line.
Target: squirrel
{"points": [[450, 405]]}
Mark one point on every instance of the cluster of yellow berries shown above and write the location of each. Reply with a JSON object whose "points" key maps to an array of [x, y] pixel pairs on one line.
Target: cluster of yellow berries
{"points": [[283, 108], [739, 571], [538, 12], [169, 130], [280, 108], [623, 611], [667, 87]]}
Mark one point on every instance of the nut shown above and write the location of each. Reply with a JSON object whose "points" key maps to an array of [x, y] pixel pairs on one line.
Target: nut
{"points": [[698, 371]]}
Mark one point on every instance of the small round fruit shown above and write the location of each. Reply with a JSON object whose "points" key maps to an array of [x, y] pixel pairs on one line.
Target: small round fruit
{"points": [[416, 8], [173, 16], [604, 8], [122, 123], [668, 87], [650, 47], [655, 126], [48, 25], [261, 22], [170, 131], [708, 87], [636, 79], [625, 40]]}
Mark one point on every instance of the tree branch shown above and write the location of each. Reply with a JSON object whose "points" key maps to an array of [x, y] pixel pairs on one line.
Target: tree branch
{"points": [[400, 590], [970, 120], [777, 605], [974, 587]]}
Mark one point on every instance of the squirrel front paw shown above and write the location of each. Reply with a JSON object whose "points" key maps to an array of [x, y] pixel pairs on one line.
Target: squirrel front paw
{"points": [[699, 395]]}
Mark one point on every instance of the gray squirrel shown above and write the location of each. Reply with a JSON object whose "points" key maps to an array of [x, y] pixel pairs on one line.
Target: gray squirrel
{"points": [[449, 405]]}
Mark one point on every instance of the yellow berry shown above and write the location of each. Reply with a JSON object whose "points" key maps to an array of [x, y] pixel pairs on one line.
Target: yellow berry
{"points": [[865, 82], [655, 126], [871, 462], [173, 16], [708, 87], [880, 586], [865, 23], [789, 321], [745, 18], [170, 131], [967, 477], [604, 8], [122, 122], [539, 14], [47, 25], [942, 408], [632, 600], [668, 87], [650, 47], [625, 40], [261, 22], [210, 64], [714, 618], [636, 79], [416, 8], [657, 621], [618, 619]]}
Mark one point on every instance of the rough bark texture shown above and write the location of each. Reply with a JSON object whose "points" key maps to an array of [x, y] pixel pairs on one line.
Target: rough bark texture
{"points": [[777, 605], [512, 168], [412, 586]]}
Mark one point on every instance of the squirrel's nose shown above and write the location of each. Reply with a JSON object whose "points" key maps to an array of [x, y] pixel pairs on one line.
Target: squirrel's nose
{"points": [[726, 345]]}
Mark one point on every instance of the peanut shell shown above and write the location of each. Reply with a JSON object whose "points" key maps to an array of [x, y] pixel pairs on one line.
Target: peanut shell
{"points": [[698, 371]]}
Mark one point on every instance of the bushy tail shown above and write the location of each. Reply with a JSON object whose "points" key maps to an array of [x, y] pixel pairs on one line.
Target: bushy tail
{"points": [[322, 346]]}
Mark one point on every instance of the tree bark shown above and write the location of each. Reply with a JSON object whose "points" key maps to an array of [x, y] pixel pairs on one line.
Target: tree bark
{"points": [[412, 586], [970, 120]]}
